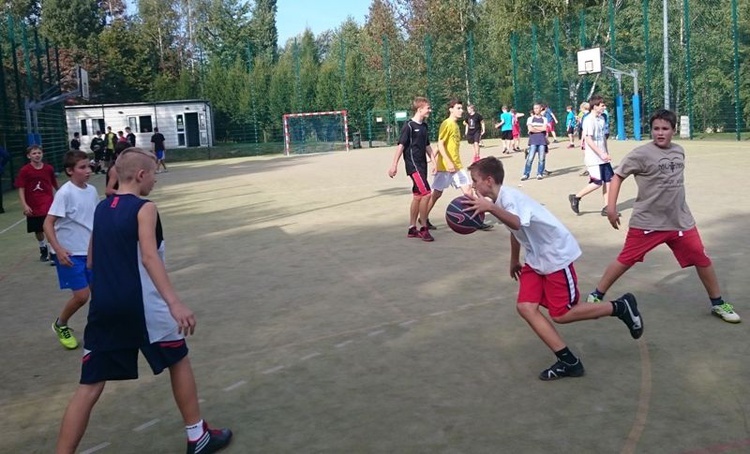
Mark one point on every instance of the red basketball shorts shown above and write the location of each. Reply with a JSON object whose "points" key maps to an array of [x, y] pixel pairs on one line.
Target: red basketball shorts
{"points": [[558, 292], [686, 246]]}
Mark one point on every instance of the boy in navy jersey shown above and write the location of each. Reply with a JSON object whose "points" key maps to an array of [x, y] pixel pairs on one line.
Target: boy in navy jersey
{"points": [[134, 307]]}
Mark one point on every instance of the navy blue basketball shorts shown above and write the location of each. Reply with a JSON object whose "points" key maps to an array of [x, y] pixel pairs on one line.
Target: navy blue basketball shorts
{"points": [[123, 364]]}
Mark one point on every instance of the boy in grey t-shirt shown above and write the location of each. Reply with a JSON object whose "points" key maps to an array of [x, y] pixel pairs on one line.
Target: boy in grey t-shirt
{"points": [[661, 214]]}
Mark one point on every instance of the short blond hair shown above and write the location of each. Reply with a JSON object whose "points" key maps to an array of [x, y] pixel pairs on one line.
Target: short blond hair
{"points": [[133, 159]]}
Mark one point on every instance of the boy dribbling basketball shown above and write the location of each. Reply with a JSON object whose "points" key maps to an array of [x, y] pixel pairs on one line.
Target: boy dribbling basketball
{"points": [[134, 307], [547, 278]]}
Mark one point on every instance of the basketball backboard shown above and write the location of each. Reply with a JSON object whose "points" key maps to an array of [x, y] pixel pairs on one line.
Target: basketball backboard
{"points": [[590, 61], [83, 83]]}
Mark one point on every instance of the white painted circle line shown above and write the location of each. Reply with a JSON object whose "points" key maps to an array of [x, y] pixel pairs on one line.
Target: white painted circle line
{"points": [[98, 447], [310, 356], [8, 228], [272, 370], [146, 425], [343, 344]]}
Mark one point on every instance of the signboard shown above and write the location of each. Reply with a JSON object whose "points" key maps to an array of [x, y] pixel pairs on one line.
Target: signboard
{"points": [[684, 127], [400, 115]]}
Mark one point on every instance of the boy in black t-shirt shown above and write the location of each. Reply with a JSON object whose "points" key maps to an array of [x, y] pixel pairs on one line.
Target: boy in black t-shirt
{"points": [[414, 145], [157, 145]]}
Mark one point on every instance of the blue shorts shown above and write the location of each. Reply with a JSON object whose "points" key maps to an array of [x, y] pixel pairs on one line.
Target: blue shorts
{"points": [[123, 364], [159, 154], [74, 277]]}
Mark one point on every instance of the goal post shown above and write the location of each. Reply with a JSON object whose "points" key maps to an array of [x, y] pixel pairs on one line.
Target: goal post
{"points": [[310, 132]]}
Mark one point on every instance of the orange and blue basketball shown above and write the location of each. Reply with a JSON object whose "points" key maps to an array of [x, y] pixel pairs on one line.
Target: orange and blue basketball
{"points": [[463, 222]]}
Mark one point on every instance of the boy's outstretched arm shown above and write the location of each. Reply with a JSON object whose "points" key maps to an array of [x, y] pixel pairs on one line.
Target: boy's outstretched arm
{"points": [[157, 272], [614, 191]]}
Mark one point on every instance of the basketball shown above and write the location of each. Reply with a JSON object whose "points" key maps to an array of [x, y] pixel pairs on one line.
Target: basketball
{"points": [[460, 221]]}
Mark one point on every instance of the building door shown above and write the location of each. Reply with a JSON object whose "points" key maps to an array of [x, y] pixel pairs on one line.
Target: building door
{"points": [[192, 131]]}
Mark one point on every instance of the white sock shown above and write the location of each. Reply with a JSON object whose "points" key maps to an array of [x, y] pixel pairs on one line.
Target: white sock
{"points": [[195, 431], [42, 243]]}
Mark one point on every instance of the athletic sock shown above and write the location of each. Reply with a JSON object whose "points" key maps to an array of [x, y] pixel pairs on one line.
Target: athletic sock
{"points": [[195, 431], [597, 293], [42, 243], [716, 301], [618, 308], [566, 356]]}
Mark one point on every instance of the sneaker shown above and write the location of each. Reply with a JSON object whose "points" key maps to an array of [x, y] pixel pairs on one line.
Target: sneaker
{"points": [[429, 224], [561, 369], [425, 234], [547, 173], [212, 440], [486, 227], [604, 212], [43, 254], [412, 233], [571, 146], [65, 336], [593, 298], [524, 178], [540, 177], [574, 201], [726, 312], [585, 173], [631, 317]]}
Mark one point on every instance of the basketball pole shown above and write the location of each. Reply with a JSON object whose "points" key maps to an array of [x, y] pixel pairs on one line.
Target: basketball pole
{"points": [[665, 32]]}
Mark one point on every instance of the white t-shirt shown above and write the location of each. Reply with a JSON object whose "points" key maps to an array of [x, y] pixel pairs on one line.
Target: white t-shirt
{"points": [[75, 207], [593, 126], [548, 245]]}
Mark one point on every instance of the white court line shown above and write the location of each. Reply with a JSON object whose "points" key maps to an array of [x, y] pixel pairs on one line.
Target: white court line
{"points": [[146, 425], [96, 448], [8, 228], [407, 323], [272, 370], [435, 314], [465, 306], [343, 344], [310, 356], [376, 333], [235, 386]]}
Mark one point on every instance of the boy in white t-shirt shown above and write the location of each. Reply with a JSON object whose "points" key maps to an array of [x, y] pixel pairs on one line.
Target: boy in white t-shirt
{"points": [[595, 155], [68, 227], [548, 277]]}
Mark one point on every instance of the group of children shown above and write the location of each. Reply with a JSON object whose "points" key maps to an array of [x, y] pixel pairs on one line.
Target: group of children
{"points": [[113, 252], [547, 276]]}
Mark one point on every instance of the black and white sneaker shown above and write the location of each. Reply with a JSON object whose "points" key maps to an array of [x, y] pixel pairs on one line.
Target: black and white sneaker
{"points": [[212, 440], [561, 369], [631, 317], [574, 203]]}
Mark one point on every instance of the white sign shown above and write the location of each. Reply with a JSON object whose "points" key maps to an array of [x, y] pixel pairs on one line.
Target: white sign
{"points": [[400, 115], [684, 127], [378, 119]]}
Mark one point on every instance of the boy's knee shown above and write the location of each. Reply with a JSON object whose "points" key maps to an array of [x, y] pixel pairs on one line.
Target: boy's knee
{"points": [[527, 310]]}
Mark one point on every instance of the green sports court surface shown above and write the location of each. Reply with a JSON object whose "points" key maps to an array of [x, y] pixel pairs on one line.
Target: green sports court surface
{"points": [[322, 328]]}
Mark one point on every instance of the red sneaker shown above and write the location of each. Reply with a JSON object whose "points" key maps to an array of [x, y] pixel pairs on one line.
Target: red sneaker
{"points": [[212, 440], [424, 233]]}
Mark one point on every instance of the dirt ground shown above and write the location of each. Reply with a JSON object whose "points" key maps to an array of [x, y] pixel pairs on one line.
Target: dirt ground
{"points": [[322, 328]]}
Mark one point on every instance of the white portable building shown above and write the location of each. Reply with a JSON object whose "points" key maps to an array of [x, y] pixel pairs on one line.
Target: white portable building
{"points": [[185, 123]]}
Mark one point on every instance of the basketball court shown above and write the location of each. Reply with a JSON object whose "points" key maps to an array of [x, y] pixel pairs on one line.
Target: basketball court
{"points": [[322, 328]]}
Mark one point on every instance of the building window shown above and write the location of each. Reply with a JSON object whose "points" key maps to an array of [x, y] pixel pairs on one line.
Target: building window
{"points": [[145, 122], [84, 129], [133, 124], [100, 124]]}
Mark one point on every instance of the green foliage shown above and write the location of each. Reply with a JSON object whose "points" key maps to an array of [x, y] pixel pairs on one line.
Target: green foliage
{"points": [[70, 23]]}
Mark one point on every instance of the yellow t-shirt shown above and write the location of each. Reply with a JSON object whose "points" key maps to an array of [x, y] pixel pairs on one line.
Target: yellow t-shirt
{"points": [[450, 135]]}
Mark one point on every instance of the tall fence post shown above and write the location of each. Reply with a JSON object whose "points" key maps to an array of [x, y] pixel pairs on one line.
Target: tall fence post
{"points": [[688, 69], [737, 100]]}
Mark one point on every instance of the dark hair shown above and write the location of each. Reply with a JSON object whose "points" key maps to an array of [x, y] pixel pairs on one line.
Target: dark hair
{"points": [[156, 129], [663, 114], [34, 147], [76, 134], [453, 102], [595, 100], [72, 158], [489, 166], [121, 146]]}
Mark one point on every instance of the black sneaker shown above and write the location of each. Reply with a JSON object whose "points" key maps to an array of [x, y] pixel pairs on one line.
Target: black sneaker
{"points": [[561, 369], [412, 233], [43, 254], [429, 224], [631, 317], [574, 201], [604, 212], [212, 440], [486, 227]]}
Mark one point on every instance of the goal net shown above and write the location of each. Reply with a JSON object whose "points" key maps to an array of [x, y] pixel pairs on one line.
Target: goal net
{"points": [[315, 132]]}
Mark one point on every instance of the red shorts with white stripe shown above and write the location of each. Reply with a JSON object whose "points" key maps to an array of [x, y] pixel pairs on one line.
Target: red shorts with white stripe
{"points": [[686, 245], [558, 292]]}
